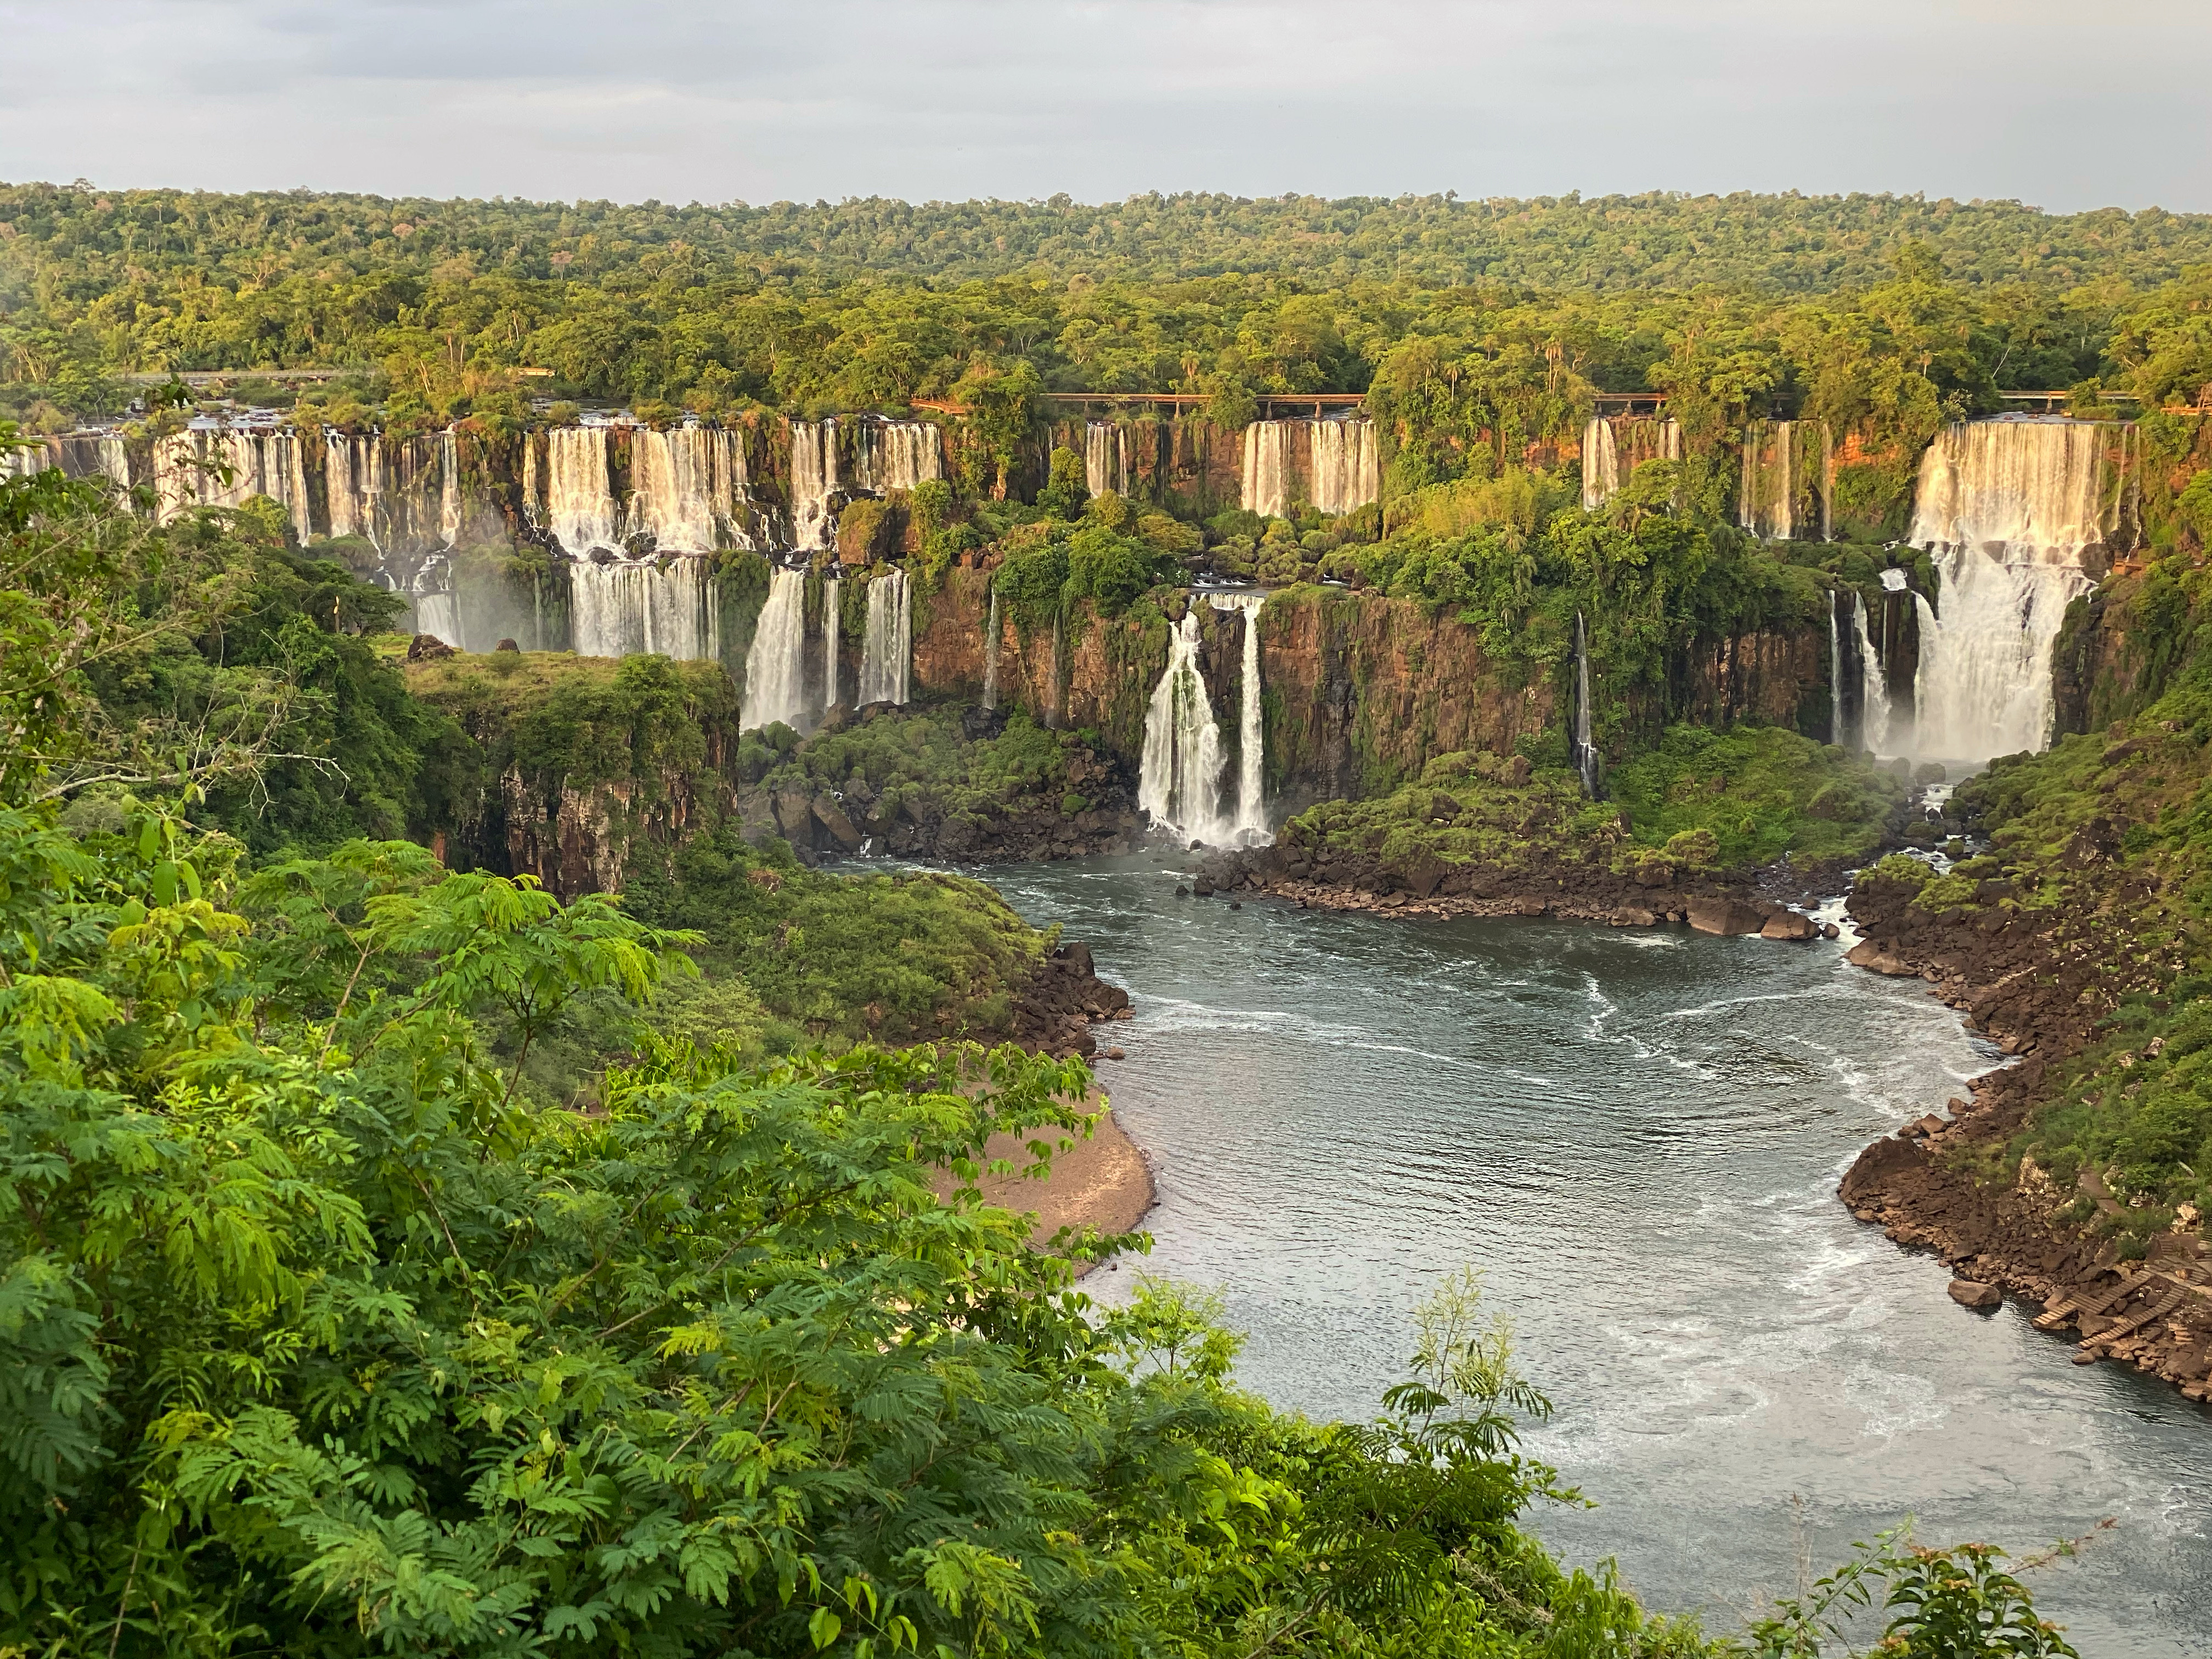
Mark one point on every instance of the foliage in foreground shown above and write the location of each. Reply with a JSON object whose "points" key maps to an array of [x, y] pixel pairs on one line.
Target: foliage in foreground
{"points": [[318, 1341]]}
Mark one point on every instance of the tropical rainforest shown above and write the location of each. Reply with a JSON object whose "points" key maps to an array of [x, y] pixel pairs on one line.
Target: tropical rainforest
{"points": [[396, 1258]]}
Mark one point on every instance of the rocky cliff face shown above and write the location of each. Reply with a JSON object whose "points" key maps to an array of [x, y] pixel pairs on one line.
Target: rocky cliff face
{"points": [[1358, 691]]}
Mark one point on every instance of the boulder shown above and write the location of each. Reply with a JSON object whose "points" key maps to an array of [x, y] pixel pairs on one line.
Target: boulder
{"points": [[1789, 925], [505, 645], [1972, 1293], [1629, 916], [832, 816], [795, 816], [427, 647], [1869, 954], [1724, 916]]}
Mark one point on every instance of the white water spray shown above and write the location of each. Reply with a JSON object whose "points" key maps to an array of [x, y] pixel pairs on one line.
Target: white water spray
{"points": [[627, 608], [1179, 772], [1249, 826], [2018, 514], [1586, 751], [833, 623], [887, 650], [776, 668]]}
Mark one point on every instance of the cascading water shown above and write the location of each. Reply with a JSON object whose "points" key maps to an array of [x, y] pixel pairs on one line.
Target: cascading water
{"points": [[353, 483], [776, 668], [1585, 755], [1179, 771], [580, 495], [1835, 674], [1249, 826], [1788, 480], [1874, 688], [676, 479], [1601, 463], [896, 455], [887, 650], [833, 623], [1268, 472], [189, 470], [449, 488], [1347, 471], [813, 476], [2018, 517], [991, 654], [626, 608], [1105, 458]]}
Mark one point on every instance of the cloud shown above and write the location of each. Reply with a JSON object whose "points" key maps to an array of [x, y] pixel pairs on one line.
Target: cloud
{"points": [[2062, 105]]}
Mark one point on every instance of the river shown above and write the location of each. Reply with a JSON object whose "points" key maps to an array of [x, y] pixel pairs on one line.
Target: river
{"points": [[1636, 1134]]}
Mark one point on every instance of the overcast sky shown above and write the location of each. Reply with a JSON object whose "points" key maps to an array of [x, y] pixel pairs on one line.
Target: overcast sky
{"points": [[2083, 104]]}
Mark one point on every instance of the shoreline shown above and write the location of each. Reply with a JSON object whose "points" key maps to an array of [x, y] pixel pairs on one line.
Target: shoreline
{"points": [[2153, 1314], [1102, 1182]]}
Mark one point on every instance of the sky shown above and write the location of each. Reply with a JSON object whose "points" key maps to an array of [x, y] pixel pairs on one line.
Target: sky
{"points": [[2087, 104]]}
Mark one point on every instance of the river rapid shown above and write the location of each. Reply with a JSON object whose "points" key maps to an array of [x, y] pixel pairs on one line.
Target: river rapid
{"points": [[1636, 1134]]}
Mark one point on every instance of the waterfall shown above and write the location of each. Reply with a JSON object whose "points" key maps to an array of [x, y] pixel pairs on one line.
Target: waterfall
{"points": [[449, 489], [1766, 499], [991, 654], [887, 650], [776, 668], [1601, 463], [1250, 826], [352, 481], [673, 485], [1874, 686], [1179, 772], [1268, 473], [627, 608], [2018, 517], [813, 476], [1105, 458], [1835, 674], [188, 472], [1348, 472], [1586, 751], [833, 623], [579, 495], [896, 455]]}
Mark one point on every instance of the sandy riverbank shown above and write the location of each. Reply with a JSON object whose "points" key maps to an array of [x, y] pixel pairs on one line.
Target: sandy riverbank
{"points": [[1100, 1182]]}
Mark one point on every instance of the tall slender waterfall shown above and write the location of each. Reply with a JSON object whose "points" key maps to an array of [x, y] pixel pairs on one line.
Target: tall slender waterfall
{"points": [[1267, 470], [776, 668], [625, 608], [1105, 458], [813, 476], [887, 651], [1250, 824], [580, 495], [1348, 472], [1601, 463], [2018, 514], [1835, 673], [833, 623], [991, 654], [449, 488], [1874, 686], [1179, 771], [1586, 751]]}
